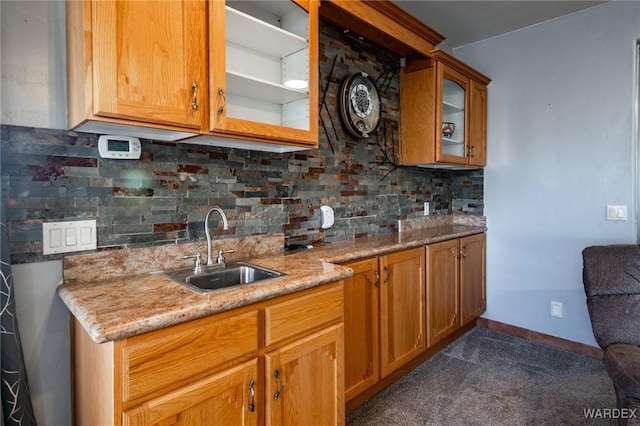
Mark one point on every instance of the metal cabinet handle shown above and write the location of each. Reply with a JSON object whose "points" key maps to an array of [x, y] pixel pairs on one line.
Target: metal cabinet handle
{"points": [[377, 273], [252, 405], [276, 395], [194, 103], [386, 280], [224, 101]]}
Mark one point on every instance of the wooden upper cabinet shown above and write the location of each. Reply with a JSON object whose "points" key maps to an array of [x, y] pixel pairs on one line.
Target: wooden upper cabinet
{"points": [[174, 69], [137, 63], [478, 124], [443, 105], [264, 70]]}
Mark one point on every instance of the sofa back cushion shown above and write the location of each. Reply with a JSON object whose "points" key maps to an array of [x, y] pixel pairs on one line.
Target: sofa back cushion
{"points": [[611, 278]]}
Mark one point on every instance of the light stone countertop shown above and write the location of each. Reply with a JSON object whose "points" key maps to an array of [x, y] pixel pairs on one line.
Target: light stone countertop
{"points": [[111, 303]]}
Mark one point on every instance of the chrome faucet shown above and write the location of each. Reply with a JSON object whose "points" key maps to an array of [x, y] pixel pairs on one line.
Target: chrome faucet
{"points": [[225, 226]]}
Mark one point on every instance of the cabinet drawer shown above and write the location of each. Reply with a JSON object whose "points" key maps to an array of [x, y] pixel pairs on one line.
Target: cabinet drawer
{"points": [[165, 357], [295, 316]]}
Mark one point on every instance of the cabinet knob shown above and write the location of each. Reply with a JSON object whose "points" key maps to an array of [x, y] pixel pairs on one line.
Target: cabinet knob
{"points": [[472, 151]]}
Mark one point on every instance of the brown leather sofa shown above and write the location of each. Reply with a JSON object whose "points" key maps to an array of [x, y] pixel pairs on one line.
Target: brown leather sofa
{"points": [[611, 278]]}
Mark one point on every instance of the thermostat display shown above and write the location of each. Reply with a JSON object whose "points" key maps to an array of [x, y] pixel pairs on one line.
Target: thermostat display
{"points": [[119, 147]]}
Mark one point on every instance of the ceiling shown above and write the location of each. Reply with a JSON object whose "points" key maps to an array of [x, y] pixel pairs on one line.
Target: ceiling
{"points": [[465, 22]]}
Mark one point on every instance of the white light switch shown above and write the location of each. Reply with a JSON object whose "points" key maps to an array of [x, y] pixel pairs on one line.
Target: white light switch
{"points": [[55, 237], [70, 234], [616, 212], [65, 237]]}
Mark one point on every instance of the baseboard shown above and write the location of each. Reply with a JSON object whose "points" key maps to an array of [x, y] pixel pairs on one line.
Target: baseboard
{"points": [[546, 339]]}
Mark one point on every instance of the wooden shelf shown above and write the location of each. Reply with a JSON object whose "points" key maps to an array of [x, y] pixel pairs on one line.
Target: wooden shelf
{"points": [[245, 30]]}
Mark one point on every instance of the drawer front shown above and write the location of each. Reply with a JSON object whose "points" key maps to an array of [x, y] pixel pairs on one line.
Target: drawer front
{"points": [[165, 357], [300, 314]]}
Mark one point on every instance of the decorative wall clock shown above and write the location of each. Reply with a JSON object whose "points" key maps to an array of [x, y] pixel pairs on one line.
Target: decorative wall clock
{"points": [[359, 105]]}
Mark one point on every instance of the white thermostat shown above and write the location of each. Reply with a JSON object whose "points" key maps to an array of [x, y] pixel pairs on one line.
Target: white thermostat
{"points": [[119, 147]]}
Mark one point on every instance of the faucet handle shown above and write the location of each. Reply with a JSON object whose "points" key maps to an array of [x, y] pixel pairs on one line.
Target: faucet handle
{"points": [[220, 259], [197, 264]]}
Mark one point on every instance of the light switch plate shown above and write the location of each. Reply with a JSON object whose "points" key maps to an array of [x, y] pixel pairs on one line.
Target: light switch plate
{"points": [[616, 212], [67, 237]]}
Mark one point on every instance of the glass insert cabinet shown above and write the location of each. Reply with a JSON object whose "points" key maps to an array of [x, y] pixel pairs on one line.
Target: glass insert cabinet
{"points": [[443, 105], [454, 90]]}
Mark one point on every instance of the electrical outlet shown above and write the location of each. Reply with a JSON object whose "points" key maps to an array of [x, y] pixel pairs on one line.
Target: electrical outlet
{"points": [[556, 309], [426, 208]]}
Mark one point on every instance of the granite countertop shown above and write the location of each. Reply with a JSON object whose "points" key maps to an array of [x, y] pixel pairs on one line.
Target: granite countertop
{"points": [[111, 302]]}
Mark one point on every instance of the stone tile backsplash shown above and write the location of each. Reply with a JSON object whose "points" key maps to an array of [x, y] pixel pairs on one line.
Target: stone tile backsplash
{"points": [[53, 175]]}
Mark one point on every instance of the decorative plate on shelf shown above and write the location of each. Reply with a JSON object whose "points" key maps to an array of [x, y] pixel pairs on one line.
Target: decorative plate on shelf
{"points": [[359, 105]]}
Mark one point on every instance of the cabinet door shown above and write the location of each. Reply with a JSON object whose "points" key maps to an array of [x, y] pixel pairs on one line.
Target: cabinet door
{"points": [[361, 355], [257, 51], [402, 308], [452, 114], [477, 124], [304, 383], [226, 398], [472, 278], [442, 290], [149, 61]]}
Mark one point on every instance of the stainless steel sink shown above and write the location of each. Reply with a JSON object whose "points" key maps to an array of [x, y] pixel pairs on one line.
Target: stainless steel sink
{"points": [[219, 277]]}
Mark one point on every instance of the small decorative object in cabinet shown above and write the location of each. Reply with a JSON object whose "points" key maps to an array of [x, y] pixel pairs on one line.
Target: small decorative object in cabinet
{"points": [[448, 129], [443, 105]]}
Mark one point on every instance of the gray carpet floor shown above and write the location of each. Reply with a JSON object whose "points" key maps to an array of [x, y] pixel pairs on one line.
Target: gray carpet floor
{"points": [[489, 378]]}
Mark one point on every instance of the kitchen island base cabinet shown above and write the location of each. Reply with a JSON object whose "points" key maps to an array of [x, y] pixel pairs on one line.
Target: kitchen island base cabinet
{"points": [[384, 317], [220, 369], [455, 285]]}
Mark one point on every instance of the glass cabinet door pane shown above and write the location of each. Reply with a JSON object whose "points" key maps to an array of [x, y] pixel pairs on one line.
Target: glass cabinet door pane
{"points": [[453, 114]]}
